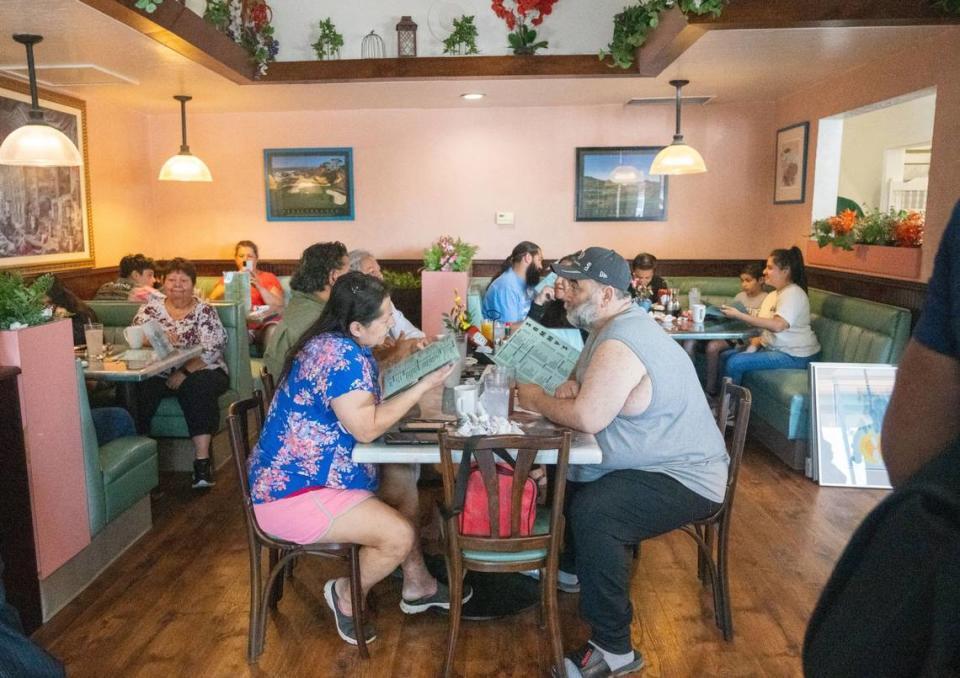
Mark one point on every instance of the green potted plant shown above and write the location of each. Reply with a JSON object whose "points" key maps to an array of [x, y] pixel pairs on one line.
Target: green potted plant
{"points": [[23, 304], [463, 38], [328, 42], [633, 25]]}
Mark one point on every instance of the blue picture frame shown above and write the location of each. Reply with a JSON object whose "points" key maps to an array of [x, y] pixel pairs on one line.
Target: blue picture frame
{"points": [[309, 184]]}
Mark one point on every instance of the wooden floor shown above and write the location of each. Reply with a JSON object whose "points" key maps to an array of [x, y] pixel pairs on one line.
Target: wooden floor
{"points": [[176, 603]]}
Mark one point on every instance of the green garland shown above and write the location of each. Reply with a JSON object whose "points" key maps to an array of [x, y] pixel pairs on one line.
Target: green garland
{"points": [[463, 39], [633, 25]]}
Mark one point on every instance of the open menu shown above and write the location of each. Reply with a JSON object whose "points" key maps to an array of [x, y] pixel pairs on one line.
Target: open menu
{"points": [[538, 356], [411, 369]]}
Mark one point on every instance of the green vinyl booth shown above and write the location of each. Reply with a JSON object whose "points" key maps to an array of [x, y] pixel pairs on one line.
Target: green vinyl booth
{"points": [[120, 472], [850, 330], [168, 422]]}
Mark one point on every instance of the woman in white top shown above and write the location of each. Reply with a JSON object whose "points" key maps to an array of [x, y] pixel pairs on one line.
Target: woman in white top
{"points": [[787, 340]]}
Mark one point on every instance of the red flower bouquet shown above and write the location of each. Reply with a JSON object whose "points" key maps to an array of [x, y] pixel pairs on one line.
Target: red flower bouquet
{"points": [[517, 14]]}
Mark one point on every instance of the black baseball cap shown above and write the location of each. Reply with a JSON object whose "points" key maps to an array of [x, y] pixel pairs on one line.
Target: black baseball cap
{"points": [[599, 264]]}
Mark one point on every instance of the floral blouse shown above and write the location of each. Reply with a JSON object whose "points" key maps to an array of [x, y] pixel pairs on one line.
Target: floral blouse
{"points": [[303, 445], [200, 327]]}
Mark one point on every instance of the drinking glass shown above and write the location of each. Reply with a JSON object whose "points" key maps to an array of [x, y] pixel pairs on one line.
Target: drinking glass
{"points": [[497, 384], [93, 333]]}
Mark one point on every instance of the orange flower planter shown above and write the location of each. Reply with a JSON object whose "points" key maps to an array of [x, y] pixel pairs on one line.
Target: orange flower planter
{"points": [[892, 262]]}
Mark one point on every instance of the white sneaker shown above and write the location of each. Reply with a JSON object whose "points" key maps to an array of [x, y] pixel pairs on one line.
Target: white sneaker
{"points": [[566, 581]]}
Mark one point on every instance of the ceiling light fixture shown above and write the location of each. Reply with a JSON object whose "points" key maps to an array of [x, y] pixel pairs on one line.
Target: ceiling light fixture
{"points": [[472, 96], [37, 143], [184, 166], [678, 158]]}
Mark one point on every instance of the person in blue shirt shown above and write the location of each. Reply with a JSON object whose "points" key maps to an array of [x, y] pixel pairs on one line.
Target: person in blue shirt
{"points": [[509, 295]]}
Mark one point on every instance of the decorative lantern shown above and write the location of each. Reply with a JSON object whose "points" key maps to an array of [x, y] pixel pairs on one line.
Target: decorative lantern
{"points": [[406, 37]]}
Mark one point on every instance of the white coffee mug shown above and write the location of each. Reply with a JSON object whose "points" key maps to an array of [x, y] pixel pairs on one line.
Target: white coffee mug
{"points": [[133, 335], [698, 313], [465, 397]]}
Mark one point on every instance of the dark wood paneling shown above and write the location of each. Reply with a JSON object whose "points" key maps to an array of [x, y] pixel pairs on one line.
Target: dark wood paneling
{"points": [[824, 13], [909, 295], [17, 547]]}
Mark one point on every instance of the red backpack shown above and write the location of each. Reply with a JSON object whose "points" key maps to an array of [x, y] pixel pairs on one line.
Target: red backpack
{"points": [[470, 496]]}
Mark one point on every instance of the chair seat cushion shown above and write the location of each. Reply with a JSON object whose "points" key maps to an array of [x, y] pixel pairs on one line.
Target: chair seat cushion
{"points": [[123, 454], [540, 526]]}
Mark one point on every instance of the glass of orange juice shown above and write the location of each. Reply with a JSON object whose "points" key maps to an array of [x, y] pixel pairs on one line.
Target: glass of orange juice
{"points": [[486, 329]]}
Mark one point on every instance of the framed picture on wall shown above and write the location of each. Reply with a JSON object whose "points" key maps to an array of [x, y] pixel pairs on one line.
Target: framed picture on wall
{"points": [[309, 184], [45, 212], [847, 404], [614, 184], [790, 183]]}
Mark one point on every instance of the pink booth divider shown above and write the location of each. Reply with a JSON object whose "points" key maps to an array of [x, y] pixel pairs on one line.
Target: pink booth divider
{"points": [[437, 295], [50, 413]]}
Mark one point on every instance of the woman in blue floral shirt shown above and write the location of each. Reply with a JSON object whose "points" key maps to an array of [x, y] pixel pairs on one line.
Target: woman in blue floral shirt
{"points": [[303, 482]]}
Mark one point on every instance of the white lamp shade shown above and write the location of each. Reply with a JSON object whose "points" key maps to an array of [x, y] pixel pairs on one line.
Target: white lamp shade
{"points": [[678, 159], [626, 175], [39, 145], [185, 167]]}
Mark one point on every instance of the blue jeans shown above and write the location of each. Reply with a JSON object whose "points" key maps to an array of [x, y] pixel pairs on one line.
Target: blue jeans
{"points": [[737, 363]]}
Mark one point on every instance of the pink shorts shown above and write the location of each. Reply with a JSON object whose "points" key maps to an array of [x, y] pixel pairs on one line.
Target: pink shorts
{"points": [[306, 518]]}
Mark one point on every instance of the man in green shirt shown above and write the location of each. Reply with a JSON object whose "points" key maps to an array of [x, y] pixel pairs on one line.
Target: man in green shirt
{"points": [[320, 266]]}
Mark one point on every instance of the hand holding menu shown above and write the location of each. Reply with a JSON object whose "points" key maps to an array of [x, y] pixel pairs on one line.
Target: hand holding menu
{"points": [[411, 369], [537, 356]]}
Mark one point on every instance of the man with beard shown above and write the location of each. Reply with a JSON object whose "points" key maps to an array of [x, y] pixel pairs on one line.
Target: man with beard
{"points": [[664, 460], [509, 295]]}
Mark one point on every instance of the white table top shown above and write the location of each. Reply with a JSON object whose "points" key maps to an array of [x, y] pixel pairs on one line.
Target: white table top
{"points": [[139, 370], [583, 449]]}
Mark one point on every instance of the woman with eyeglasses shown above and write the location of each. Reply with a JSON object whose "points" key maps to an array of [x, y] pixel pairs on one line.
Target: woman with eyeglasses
{"points": [[304, 484]]}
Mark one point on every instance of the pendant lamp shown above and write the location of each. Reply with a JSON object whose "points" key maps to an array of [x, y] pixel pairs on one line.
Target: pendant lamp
{"points": [[184, 166], [37, 143], [678, 158]]}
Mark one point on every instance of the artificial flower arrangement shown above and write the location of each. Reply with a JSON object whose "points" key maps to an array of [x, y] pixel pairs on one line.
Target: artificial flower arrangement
{"points": [[21, 304], [457, 321], [896, 228], [448, 254], [516, 14]]}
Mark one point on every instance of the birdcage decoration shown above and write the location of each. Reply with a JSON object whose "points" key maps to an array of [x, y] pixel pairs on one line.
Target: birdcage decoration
{"points": [[406, 37], [371, 47]]}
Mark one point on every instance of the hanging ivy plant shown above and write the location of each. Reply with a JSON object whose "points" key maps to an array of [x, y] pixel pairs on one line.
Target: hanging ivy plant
{"points": [[217, 13], [632, 26], [947, 6]]}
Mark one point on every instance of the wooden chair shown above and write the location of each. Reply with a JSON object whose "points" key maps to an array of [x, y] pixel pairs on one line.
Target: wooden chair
{"points": [[269, 385], [280, 552], [506, 554], [712, 533]]}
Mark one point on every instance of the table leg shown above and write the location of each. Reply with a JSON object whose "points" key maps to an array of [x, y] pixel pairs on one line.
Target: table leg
{"points": [[127, 399]]}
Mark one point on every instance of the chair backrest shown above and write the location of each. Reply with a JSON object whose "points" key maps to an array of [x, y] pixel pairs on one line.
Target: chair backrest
{"points": [[527, 448], [93, 472], [856, 330], [736, 401], [269, 385], [237, 423]]}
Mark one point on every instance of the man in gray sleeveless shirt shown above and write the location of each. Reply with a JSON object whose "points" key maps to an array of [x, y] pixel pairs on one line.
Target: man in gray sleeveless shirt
{"points": [[664, 460]]}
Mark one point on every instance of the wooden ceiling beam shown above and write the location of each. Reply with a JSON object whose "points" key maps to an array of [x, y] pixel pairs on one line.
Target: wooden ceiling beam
{"points": [[186, 33], [741, 14]]}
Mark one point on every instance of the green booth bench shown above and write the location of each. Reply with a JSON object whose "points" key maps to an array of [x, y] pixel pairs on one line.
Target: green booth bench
{"points": [[850, 330], [168, 422]]}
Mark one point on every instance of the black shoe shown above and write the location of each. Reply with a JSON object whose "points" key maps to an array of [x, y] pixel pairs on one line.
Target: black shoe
{"points": [[202, 474]]}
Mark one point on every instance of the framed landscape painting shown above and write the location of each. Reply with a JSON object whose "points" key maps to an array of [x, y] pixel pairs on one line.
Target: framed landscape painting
{"points": [[848, 403], [790, 183], [309, 184], [614, 184], [45, 212]]}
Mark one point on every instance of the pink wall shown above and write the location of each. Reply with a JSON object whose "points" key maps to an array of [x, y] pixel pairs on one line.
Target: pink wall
{"points": [[121, 182], [422, 173], [934, 63]]}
